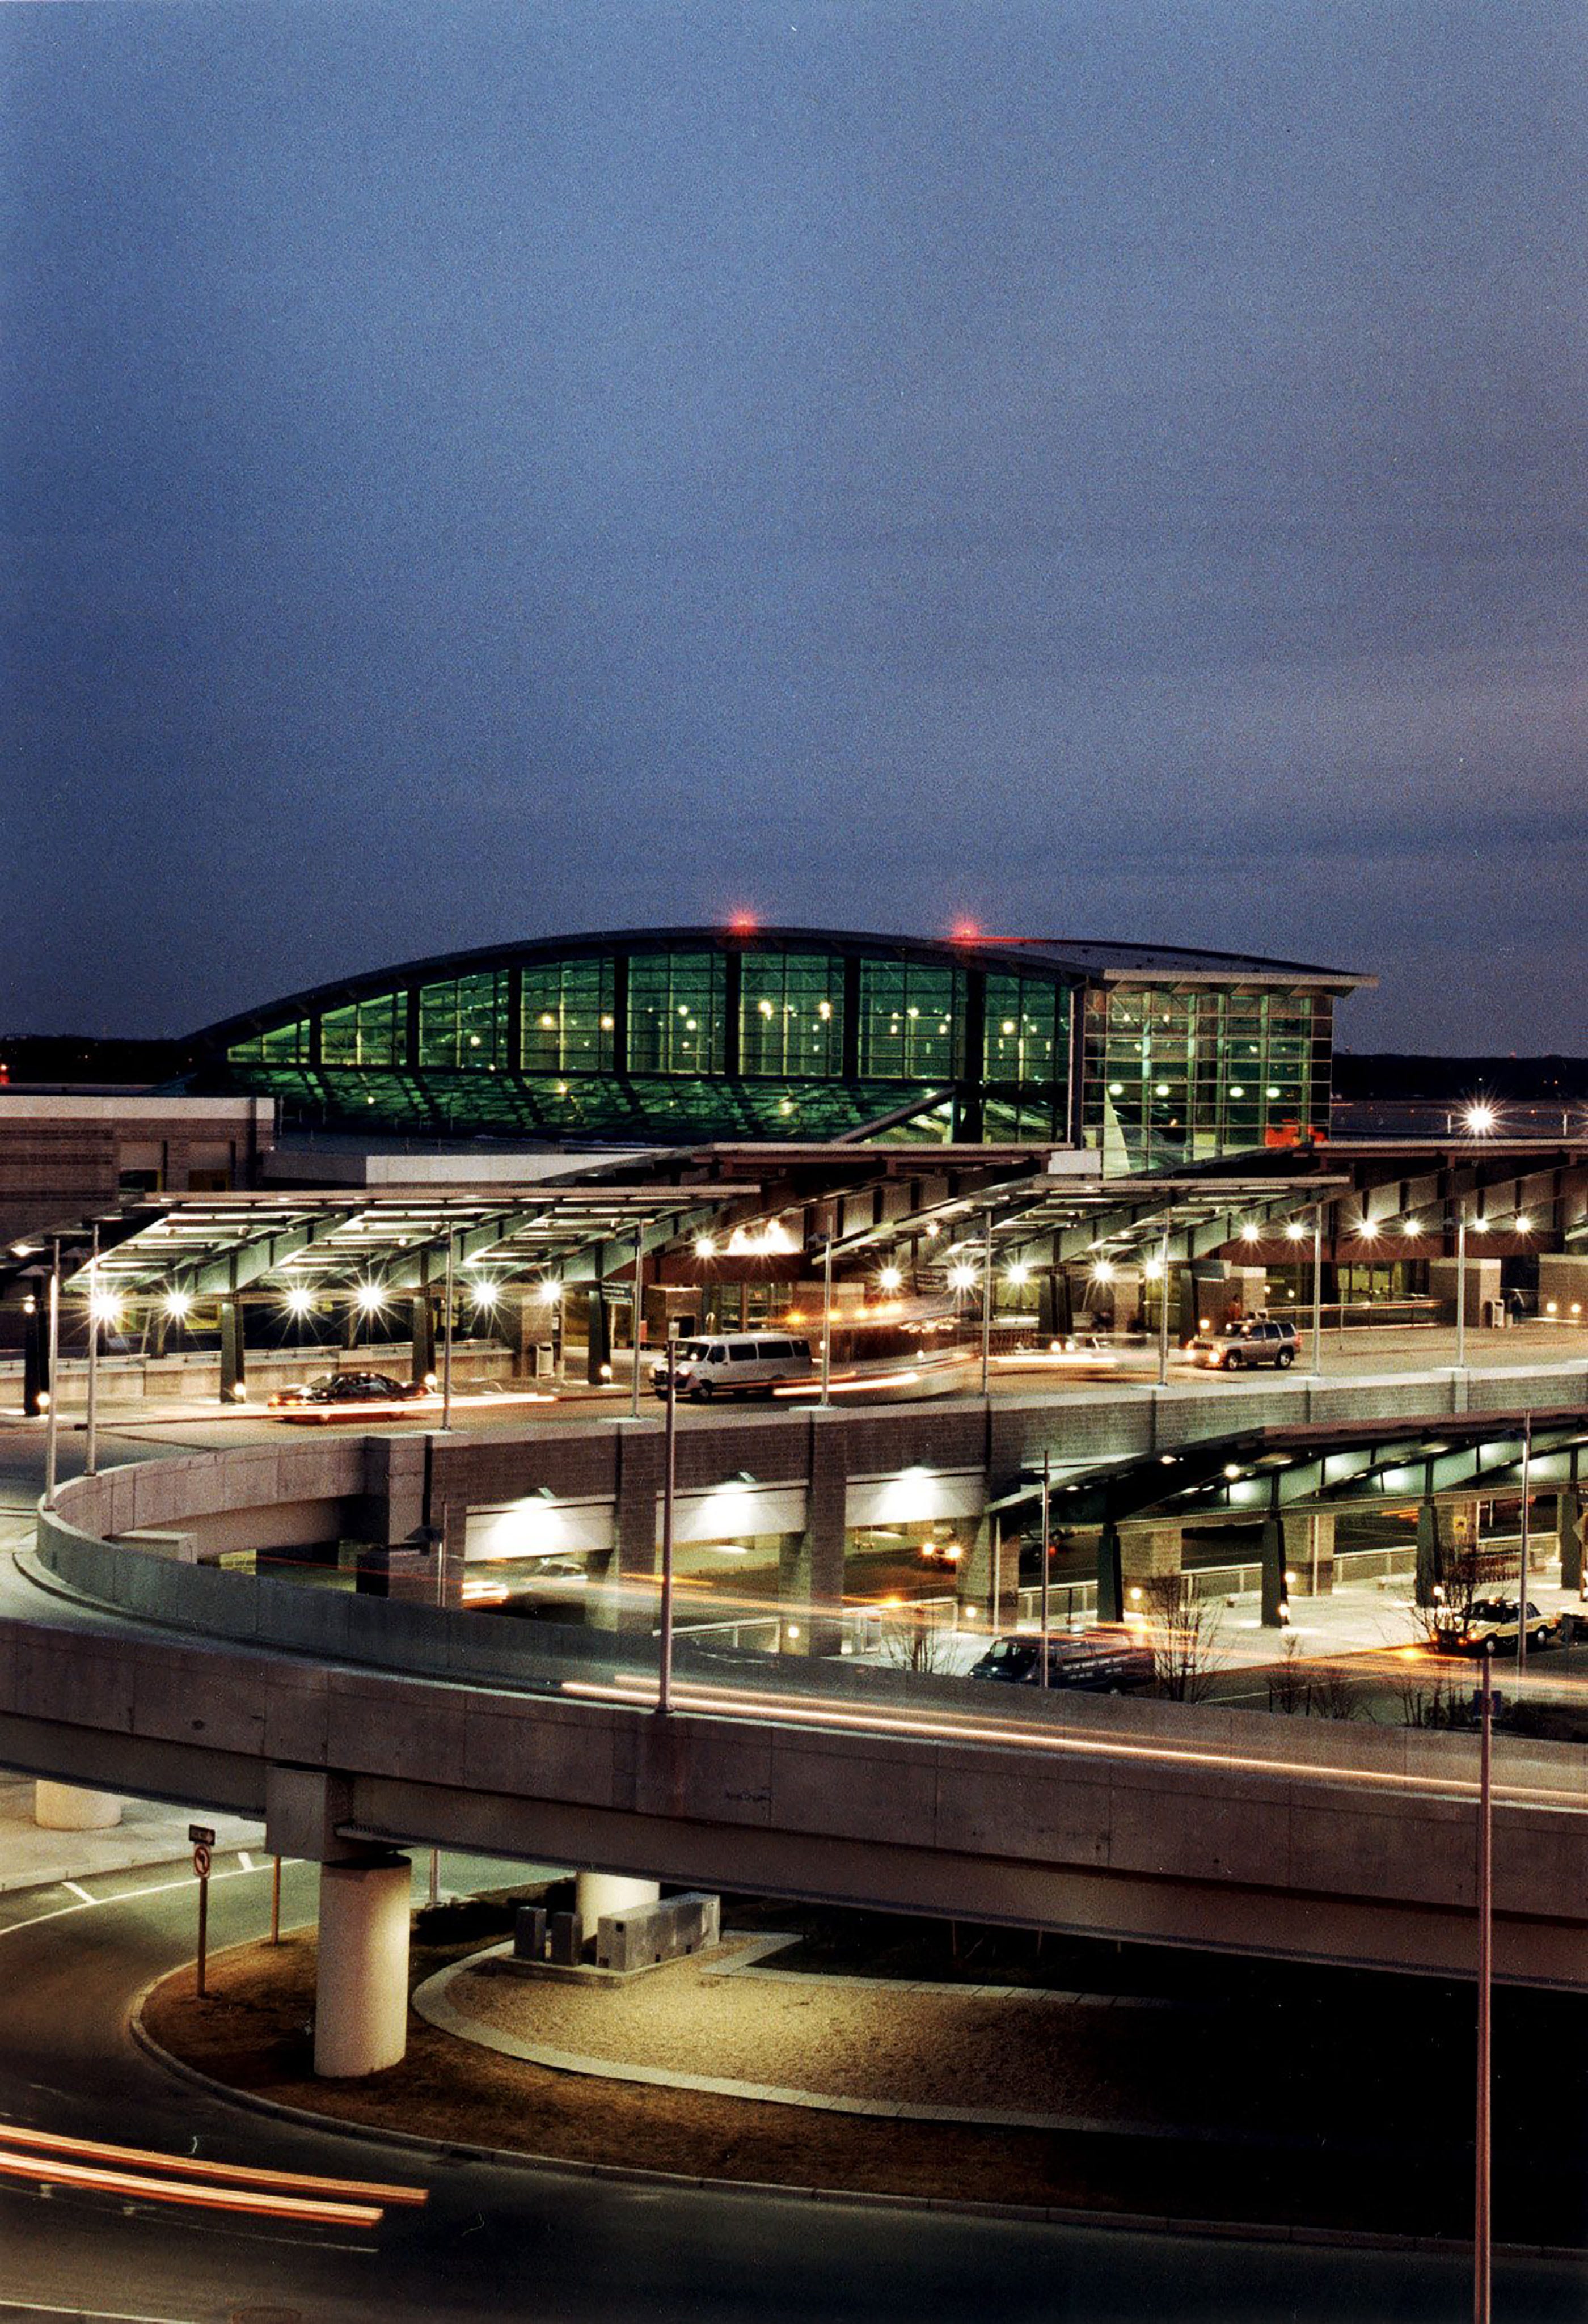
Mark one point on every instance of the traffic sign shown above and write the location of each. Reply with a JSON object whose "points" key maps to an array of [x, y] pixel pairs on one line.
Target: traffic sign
{"points": [[201, 1861], [201, 1835]]}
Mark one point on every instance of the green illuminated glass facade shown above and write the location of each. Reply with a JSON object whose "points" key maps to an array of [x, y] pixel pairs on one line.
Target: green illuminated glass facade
{"points": [[705, 1037], [1177, 1075]]}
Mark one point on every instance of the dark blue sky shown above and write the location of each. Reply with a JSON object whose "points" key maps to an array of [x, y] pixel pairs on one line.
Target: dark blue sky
{"points": [[1102, 470]]}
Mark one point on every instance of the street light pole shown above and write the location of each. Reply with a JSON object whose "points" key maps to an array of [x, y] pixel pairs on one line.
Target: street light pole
{"points": [[634, 1323], [91, 1430], [52, 1422], [446, 1340], [1525, 1546], [664, 1682], [987, 1304], [1461, 1286], [826, 1322], [1163, 1310], [1046, 1494], [1317, 1291], [1482, 2272]]}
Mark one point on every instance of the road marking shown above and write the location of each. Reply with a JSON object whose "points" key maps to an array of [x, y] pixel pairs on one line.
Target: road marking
{"points": [[125, 1897], [245, 1859], [89, 2315], [78, 1891]]}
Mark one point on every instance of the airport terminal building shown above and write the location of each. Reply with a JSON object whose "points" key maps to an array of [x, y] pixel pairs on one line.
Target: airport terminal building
{"points": [[1152, 1057]]}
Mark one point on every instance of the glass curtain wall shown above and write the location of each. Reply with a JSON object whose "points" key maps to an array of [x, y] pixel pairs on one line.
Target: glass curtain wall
{"points": [[364, 1033], [568, 1020], [676, 1012], [1024, 1053], [1174, 1076], [911, 1021], [462, 1023], [792, 1015]]}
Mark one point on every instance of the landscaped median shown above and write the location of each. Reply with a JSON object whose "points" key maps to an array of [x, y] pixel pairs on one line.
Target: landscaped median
{"points": [[893, 2057]]}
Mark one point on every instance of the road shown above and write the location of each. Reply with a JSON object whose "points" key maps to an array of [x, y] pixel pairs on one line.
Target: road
{"points": [[497, 2241]]}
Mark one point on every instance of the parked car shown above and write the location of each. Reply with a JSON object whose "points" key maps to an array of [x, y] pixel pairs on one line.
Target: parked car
{"points": [[1104, 1660], [1240, 1347], [1491, 1626], [347, 1387], [735, 1363]]}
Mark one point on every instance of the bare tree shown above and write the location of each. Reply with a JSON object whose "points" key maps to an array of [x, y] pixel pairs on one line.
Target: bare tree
{"points": [[910, 1641], [1183, 1631]]}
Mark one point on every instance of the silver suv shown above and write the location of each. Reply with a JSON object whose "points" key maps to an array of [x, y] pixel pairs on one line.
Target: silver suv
{"points": [[1240, 1347]]}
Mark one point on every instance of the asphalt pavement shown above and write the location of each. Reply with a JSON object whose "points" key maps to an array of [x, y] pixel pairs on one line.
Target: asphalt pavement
{"points": [[498, 2240]]}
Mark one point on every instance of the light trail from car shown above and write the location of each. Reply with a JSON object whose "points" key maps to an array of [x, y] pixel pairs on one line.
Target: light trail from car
{"points": [[634, 1693]]}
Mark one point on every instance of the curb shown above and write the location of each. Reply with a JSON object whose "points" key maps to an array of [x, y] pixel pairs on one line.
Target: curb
{"points": [[1028, 2214]]}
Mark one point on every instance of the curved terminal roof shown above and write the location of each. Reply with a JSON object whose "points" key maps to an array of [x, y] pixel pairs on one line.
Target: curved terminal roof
{"points": [[1072, 959]]}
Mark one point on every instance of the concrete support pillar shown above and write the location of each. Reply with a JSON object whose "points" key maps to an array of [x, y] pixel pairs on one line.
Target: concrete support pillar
{"points": [[810, 1573], [361, 1989], [1273, 1571], [67, 1807], [989, 1579], [1309, 1553], [597, 1338], [600, 1894], [1148, 1551], [1111, 1585], [1568, 1521], [1482, 1286], [233, 1370], [1430, 1566], [627, 1598], [424, 1337]]}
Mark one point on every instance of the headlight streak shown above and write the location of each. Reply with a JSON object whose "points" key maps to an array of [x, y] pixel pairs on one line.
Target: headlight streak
{"points": [[631, 1691]]}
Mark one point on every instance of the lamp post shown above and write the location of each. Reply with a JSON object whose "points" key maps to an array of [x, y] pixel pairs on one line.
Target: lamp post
{"points": [[1460, 1286], [1046, 1494], [634, 1323], [664, 1679], [1317, 1291], [826, 1324], [50, 1421], [447, 1339], [987, 1304], [1163, 1309], [1482, 2271], [90, 1429], [1523, 1547]]}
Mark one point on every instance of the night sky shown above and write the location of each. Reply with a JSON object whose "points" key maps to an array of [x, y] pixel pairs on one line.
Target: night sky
{"points": [[471, 472]]}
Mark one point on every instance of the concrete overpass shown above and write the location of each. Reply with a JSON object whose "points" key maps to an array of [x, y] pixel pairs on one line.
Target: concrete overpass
{"points": [[355, 1725]]}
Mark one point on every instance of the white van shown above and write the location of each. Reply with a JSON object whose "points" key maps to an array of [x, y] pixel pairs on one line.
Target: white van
{"points": [[736, 1363]]}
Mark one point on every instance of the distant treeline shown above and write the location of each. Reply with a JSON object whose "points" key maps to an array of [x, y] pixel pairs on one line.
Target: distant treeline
{"points": [[1388, 1074], [81, 1058]]}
